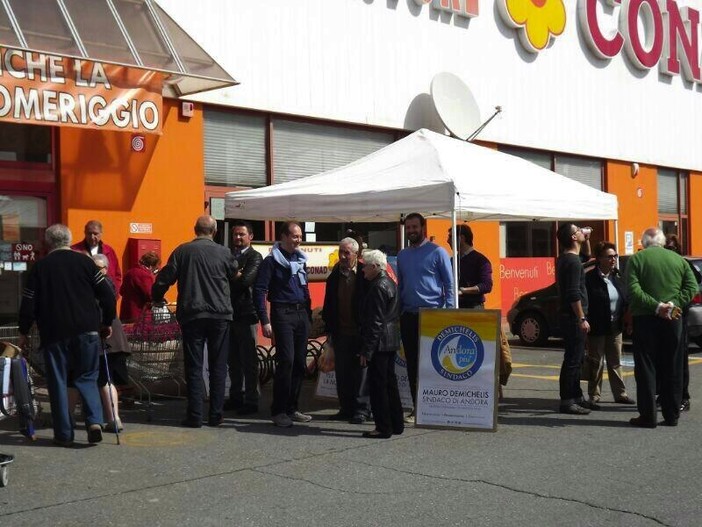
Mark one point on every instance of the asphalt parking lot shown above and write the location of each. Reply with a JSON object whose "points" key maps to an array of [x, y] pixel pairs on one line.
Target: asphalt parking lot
{"points": [[540, 468]]}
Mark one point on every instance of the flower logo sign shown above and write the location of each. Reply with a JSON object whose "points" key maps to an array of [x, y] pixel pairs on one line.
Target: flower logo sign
{"points": [[537, 21]]}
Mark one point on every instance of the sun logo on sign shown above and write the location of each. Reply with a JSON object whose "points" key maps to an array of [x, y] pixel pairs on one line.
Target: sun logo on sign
{"points": [[538, 21]]}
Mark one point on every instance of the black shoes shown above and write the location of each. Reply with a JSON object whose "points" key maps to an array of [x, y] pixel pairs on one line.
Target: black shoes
{"points": [[574, 409], [685, 406], [625, 399], [340, 416], [215, 421], [590, 405], [358, 419], [669, 422], [375, 434], [190, 423], [640, 422], [94, 433]]}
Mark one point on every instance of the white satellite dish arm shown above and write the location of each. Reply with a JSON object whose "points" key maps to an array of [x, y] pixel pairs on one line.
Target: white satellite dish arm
{"points": [[498, 110]]}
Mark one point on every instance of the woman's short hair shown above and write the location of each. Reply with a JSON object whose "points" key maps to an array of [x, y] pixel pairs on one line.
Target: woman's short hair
{"points": [[150, 259], [57, 236], [602, 247], [375, 257]]}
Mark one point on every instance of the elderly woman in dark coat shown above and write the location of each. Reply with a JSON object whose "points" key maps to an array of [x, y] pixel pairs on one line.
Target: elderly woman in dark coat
{"points": [[380, 336]]}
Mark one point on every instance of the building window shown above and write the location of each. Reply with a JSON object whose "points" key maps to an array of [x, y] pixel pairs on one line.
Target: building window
{"points": [[673, 206], [235, 149], [303, 149], [524, 239], [25, 143]]}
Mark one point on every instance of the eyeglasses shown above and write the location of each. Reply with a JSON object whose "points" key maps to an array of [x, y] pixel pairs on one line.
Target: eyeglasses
{"points": [[610, 256]]}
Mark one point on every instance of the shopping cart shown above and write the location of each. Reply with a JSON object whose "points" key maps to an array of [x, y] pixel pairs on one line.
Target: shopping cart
{"points": [[156, 365]]}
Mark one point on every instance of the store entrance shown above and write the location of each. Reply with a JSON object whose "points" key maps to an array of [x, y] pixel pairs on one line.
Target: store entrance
{"points": [[23, 220]]}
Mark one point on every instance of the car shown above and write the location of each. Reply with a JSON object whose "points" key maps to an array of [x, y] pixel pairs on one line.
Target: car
{"points": [[533, 317]]}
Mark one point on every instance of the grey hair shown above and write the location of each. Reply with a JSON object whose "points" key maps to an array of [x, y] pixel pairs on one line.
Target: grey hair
{"points": [[101, 258], [653, 237], [375, 257], [350, 241], [58, 236]]}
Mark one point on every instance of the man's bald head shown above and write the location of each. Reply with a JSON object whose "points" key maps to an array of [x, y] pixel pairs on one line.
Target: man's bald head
{"points": [[206, 226]]}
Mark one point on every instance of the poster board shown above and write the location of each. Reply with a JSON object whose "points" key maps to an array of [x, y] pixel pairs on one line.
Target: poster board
{"points": [[326, 382], [458, 369]]}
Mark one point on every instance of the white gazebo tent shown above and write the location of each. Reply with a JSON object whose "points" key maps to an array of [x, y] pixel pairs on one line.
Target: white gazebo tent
{"points": [[429, 173]]}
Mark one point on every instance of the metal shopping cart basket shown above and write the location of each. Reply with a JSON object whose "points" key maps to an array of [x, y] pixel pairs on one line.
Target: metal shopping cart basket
{"points": [[156, 365]]}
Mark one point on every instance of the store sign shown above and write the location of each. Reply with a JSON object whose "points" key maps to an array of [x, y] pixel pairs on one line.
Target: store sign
{"points": [[466, 8], [524, 275], [651, 32], [538, 22], [38, 88], [321, 258]]}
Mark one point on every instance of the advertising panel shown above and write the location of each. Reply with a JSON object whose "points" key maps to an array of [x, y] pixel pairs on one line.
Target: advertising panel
{"points": [[458, 368], [39, 88]]}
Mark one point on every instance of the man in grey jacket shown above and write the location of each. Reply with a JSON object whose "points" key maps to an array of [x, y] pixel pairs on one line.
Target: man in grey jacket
{"points": [[202, 269]]}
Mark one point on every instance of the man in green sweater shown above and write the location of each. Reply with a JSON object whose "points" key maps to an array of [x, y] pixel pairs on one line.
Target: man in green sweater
{"points": [[660, 284]]}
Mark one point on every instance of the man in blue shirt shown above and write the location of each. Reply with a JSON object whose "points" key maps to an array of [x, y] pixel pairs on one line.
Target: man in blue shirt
{"points": [[282, 279], [425, 279]]}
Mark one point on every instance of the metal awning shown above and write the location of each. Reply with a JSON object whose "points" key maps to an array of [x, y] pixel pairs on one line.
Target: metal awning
{"points": [[133, 33]]}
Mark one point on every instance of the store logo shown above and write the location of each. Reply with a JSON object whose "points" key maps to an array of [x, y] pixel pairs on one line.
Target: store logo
{"points": [[457, 353], [466, 8], [651, 32], [537, 21]]}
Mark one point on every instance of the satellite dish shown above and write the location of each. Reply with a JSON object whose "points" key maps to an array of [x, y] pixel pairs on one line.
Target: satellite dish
{"points": [[455, 104]]}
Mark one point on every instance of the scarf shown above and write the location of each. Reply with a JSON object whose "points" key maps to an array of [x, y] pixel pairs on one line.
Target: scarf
{"points": [[296, 267]]}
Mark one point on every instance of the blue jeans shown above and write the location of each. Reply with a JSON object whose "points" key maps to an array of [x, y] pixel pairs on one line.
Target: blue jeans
{"points": [[215, 333], [291, 325], [78, 357]]}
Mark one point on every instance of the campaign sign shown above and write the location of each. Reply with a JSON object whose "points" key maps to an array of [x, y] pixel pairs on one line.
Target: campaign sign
{"points": [[403, 380], [458, 369]]}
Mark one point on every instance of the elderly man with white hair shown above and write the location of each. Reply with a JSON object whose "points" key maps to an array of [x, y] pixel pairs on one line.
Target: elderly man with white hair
{"points": [[60, 296], [660, 284], [342, 299]]}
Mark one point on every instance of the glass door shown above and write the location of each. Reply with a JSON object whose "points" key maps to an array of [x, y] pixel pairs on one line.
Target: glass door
{"points": [[23, 220]]}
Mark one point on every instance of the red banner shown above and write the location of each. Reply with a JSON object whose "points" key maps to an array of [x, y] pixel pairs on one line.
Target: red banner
{"points": [[524, 275], [38, 88]]}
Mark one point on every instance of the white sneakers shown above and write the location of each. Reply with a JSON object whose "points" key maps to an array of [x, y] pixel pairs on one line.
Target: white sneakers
{"points": [[286, 421], [299, 417]]}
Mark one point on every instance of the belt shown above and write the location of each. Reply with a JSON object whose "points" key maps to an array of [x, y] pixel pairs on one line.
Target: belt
{"points": [[285, 305]]}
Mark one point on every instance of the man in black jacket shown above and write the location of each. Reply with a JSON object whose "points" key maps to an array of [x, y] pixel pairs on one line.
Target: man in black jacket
{"points": [[202, 269], [342, 298], [60, 296], [243, 360]]}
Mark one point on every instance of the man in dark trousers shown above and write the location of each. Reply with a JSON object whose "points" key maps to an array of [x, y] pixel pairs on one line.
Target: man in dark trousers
{"points": [[474, 271], [342, 299], [92, 244], [282, 279], [203, 269], [660, 284], [61, 294], [243, 359], [573, 302]]}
